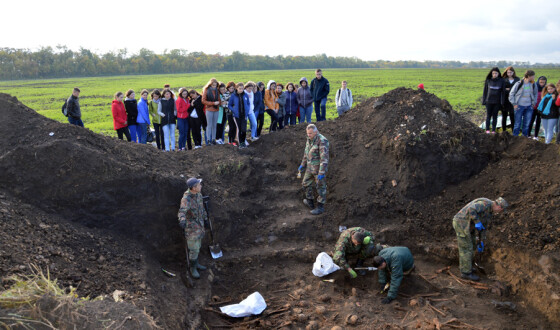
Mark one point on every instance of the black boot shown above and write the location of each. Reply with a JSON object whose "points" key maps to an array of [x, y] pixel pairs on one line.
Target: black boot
{"points": [[319, 209], [470, 276], [193, 270], [360, 263], [309, 203], [199, 266]]}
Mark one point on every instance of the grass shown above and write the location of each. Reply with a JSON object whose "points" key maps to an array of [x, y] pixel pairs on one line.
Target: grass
{"points": [[461, 87]]}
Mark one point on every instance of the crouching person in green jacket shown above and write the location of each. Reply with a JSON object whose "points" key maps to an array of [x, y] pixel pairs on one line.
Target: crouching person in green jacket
{"points": [[192, 216], [393, 262]]}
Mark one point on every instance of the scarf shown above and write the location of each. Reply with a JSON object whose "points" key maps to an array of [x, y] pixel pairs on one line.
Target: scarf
{"points": [[548, 105], [212, 94]]}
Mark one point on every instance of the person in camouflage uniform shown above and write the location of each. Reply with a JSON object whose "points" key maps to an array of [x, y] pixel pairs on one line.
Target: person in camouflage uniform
{"points": [[394, 263], [192, 216], [475, 216], [315, 162], [354, 241]]}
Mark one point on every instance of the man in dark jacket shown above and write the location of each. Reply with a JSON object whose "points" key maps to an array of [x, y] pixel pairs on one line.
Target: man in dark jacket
{"points": [[73, 108], [392, 263], [320, 89]]}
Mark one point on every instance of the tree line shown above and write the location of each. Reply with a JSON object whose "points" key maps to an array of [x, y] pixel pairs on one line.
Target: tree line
{"points": [[63, 62]]}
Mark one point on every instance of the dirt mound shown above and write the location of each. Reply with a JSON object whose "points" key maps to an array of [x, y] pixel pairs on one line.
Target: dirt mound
{"points": [[101, 214]]}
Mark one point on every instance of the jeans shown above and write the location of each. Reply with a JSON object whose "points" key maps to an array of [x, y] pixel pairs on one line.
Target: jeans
{"points": [[142, 131], [123, 131], [537, 116], [253, 121], [211, 126], [184, 136], [134, 132], [492, 113], [75, 121], [289, 119], [260, 123], [549, 125], [522, 116], [169, 136], [159, 136], [305, 113], [321, 109]]}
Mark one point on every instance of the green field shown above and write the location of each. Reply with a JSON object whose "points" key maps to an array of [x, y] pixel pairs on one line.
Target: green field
{"points": [[461, 87]]}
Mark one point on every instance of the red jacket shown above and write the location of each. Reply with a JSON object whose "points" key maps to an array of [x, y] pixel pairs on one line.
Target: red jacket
{"points": [[182, 106], [119, 115]]}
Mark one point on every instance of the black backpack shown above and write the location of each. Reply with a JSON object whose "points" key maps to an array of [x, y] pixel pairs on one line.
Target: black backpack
{"points": [[64, 109]]}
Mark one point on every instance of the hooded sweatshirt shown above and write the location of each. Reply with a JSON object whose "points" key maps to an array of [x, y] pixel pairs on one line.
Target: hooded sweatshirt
{"points": [[494, 91], [304, 94]]}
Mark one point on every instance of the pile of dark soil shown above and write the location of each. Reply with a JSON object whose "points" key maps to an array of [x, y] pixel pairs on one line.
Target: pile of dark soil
{"points": [[102, 214]]}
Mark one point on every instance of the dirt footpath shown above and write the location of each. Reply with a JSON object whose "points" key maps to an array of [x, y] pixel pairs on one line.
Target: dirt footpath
{"points": [[101, 215]]}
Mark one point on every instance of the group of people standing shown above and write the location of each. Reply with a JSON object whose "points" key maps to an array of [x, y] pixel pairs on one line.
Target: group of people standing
{"points": [[222, 107], [525, 101]]}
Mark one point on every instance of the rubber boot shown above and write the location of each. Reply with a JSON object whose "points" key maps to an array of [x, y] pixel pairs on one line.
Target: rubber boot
{"points": [[193, 270], [309, 203], [470, 276], [319, 209], [360, 263], [199, 266]]}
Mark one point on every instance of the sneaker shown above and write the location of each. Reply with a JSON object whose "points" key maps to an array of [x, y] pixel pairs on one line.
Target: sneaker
{"points": [[246, 143], [487, 132], [536, 138], [220, 141], [198, 147], [255, 138], [493, 132]]}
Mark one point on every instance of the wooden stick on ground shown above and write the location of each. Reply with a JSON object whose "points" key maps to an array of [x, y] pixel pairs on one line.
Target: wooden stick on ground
{"points": [[435, 309]]}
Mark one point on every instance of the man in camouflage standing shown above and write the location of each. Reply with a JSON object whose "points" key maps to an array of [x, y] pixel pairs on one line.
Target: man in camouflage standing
{"points": [[474, 216], [192, 216], [315, 162], [354, 241]]}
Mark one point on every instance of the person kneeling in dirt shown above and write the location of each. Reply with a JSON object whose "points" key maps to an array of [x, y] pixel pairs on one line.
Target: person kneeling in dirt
{"points": [[192, 216], [393, 262], [354, 241], [474, 215], [315, 162]]}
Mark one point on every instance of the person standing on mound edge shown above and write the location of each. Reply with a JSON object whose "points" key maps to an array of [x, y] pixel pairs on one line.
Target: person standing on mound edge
{"points": [[493, 97], [192, 216], [73, 108], [314, 164], [131, 106], [320, 89], [475, 216], [523, 97]]}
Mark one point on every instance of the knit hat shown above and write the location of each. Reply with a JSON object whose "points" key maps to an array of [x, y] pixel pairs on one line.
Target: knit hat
{"points": [[502, 202], [378, 261], [193, 182], [420, 86]]}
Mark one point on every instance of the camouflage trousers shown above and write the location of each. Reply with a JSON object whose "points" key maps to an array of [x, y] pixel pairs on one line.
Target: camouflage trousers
{"points": [[321, 185], [194, 247], [466, 242]]}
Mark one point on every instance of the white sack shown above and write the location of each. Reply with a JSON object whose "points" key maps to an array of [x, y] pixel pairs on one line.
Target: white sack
{"points": [[324, 265], [252, 305]]}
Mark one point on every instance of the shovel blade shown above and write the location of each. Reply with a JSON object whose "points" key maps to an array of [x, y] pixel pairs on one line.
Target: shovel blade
{"points": [[216, 251]]}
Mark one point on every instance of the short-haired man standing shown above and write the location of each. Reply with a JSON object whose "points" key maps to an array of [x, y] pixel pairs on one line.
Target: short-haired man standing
{"points": [[73, 108], [320, 89], [315, 163], [523, 96]]}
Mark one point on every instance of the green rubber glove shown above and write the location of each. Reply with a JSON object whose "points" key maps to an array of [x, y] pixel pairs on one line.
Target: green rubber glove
{"points": [[352, 273], [367, 239]]}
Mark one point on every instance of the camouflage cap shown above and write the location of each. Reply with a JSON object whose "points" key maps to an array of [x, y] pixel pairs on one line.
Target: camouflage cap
{"points": [[502, 202]]}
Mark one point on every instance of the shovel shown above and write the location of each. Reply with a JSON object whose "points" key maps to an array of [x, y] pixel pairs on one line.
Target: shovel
{"points": [[215, 249], [478, 259]]}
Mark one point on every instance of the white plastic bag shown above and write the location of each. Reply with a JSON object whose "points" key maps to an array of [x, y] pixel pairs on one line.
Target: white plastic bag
{"points": [[252, 305], [324, 265]]}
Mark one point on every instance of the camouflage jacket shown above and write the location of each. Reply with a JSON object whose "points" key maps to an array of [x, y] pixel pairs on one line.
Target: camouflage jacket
{"points": [[479, 210], [399, 259], [316, 154], [344, 246], [192, 210]]}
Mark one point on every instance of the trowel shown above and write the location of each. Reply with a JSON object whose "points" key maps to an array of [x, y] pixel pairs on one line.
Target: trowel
{"points": [[215, 249], [366, 268]]}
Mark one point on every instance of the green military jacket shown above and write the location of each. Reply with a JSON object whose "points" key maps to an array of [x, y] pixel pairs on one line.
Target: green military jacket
{"points": [[316, 155], [344, 246], [193, 212], [479, 210], [399, 259]]}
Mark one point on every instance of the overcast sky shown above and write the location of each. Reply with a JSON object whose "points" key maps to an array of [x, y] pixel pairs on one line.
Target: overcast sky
{"points": [[516, 30]]}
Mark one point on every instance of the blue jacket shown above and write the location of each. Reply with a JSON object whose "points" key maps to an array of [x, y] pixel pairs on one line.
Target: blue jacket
{"points": [[258, 103], [233, 104], [143, 112], [291, 106]]}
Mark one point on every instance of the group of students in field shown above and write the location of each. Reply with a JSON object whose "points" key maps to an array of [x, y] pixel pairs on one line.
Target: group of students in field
{"points": [[222, 107], [525, 101]]}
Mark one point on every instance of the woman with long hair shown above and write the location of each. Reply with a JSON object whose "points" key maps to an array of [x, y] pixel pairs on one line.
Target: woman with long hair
{"points": [[493, 97], [156, 119], [239, 104], [232, 132], [131, 107], [120, 122], [548, 109], [271, 104], [222, 117], [182, 104], [168, 113], [536, 118], [510, 78], [143, 119], [259, 107], [197, 119], [211, 99], [249, 90]]}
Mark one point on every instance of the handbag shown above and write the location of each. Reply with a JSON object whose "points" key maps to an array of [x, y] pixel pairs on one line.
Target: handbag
{"points": [[150, 135]]}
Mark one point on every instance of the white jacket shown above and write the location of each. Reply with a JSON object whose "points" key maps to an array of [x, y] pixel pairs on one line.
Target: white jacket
{"points": [[343, 94]]}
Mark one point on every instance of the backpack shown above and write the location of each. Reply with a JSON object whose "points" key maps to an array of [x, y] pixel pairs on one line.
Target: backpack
{"points": [[340, 92], [64, 109]]}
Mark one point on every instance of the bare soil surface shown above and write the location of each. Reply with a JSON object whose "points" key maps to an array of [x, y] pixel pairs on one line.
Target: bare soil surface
{"points": [[101, 215]]}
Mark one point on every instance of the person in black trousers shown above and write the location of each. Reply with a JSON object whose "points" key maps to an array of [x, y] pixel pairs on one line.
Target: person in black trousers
{"points": [[197, 119], [493, 97], [510, 78]]}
